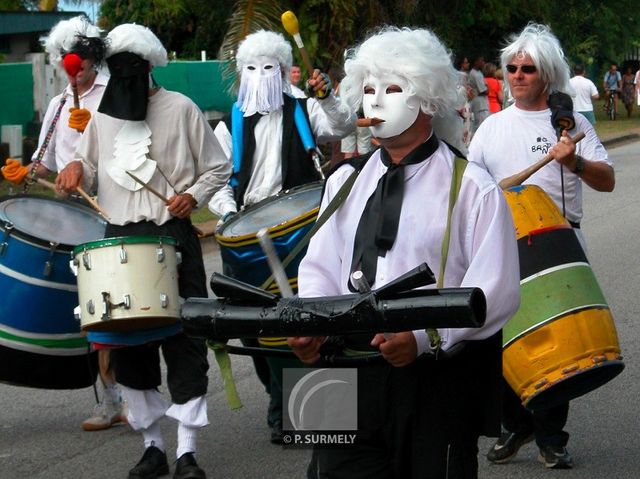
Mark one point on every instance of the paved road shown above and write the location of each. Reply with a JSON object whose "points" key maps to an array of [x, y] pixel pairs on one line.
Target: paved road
{"points": [[40, 435]]}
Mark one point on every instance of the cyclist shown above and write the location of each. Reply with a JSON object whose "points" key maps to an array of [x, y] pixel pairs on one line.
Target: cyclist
{"points": [[612, 85]]}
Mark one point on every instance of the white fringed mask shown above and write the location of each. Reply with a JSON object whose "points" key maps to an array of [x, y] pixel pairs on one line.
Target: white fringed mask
{"points": [[260, 86]]}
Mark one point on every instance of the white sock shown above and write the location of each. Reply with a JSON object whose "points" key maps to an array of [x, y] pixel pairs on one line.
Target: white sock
{"points": [[112, 394], [186, 439], [153, 436]]}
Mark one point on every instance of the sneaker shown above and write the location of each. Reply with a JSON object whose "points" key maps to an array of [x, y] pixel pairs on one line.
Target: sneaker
{"points": [[508, 446], [555, 457], [187, 468], [152, 465], [105, 415]]}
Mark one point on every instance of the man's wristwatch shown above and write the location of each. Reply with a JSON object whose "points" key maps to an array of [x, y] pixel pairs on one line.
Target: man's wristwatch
{"points": [[579, 165]]}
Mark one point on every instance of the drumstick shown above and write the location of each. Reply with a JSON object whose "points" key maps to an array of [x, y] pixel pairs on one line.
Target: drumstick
{"points": [[151, 189], [72, 65], [290, 24], [147, 187], [92, 202], [518, 178], [277, 270]]}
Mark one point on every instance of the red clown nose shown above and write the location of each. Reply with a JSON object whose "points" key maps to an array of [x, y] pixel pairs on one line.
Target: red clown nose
{"points": [[72, 64]]}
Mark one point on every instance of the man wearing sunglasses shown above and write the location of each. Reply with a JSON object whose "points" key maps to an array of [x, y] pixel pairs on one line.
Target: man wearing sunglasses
{"points": [[505, 144]]}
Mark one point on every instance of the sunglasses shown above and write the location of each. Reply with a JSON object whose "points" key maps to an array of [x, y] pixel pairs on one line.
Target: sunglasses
{"points": [[528, 69]]}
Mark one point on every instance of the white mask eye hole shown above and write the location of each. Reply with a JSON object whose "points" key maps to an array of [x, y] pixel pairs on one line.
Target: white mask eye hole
{"points": [[369, 90], [268, 67], [251, 67], [393, 89]]}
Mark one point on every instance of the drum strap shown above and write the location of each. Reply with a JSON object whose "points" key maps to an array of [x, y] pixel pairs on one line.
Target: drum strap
{"points": [[47, 138]]}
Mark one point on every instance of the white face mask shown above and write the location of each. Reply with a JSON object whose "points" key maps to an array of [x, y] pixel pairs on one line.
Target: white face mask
{"points": [[260, 86], [387, 98]]}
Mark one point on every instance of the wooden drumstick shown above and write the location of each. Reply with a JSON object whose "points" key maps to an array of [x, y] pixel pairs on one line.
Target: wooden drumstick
{"points": [[277, 269], [73, 64], [518, 178], [84, 194]]}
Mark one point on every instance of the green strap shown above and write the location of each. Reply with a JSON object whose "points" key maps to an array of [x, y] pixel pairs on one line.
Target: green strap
{"points": [[333, 205], [459, 165], [224, 364]]}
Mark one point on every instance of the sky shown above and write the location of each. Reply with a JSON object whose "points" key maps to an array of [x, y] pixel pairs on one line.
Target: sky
{"points": [[90, 8]]}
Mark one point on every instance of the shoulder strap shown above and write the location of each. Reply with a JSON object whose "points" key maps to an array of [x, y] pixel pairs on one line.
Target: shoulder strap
{"points": [[237, 145], [459, 165]]}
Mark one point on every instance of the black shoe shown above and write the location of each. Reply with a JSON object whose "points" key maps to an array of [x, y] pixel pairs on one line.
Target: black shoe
{"points": [[187, 468], [276, 433], [153, 464], [555, 457], [508, 446]]}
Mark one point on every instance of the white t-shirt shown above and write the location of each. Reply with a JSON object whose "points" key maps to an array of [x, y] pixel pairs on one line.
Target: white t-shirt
{"points": [[511, 140], [482, 248], [585, 90]]}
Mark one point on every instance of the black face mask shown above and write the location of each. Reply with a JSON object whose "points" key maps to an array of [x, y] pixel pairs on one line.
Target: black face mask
{"points": [[127, 93]]}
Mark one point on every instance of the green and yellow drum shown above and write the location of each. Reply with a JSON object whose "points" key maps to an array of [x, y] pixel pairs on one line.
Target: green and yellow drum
{"points": [[562, 342]]}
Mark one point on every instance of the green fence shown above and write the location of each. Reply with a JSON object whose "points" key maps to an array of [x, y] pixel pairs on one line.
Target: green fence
{"points": [[16, 94], [203, 82]]}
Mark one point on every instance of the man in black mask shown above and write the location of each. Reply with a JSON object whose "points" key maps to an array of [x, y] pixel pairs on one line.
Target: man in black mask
{"points": [[163, 139]]}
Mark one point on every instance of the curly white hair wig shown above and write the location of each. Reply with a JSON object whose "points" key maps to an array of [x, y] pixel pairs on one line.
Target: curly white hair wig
{"points": [[62, 36], [137, 39], [416, 55], [268, 44], [543, 47]]}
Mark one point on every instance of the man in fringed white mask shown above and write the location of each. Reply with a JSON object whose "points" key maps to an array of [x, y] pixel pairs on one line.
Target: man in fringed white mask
{"points": [[421, 411], [162, 138], [271, 149]]}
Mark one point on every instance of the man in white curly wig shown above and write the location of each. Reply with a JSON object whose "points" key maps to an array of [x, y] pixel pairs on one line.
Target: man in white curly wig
{"points": [[540, 122], [163, 139], [271, 139], [421, 411]]}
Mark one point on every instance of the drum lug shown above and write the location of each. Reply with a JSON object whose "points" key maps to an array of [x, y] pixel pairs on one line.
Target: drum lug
{"points": [[160, 254], [126, 301], [8, 229], [73, 266], [106, 306], [48, 265], [123, 255], [164, 300], [86, 260], [178, 257], [91, 309]]}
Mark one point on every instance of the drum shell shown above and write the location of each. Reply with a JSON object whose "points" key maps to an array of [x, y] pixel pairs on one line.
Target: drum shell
{"points": [[242, 256], [41, 344], [148, 276], [562, 342]]}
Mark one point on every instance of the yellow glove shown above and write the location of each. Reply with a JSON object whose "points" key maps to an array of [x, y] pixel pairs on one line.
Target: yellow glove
{"points": [[79, 118], [13, 171]]}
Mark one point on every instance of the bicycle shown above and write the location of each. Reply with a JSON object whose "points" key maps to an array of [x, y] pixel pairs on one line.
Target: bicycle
{"points": [[610, 106]]}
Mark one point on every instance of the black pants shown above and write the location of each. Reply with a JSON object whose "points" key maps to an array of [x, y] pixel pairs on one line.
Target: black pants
{"points": [[138, 367], [422, 420], [546, 424]]}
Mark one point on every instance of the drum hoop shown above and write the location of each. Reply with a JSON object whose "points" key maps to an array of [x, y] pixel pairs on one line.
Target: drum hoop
{"points": [[34, 240], [125, 240], [275, 231]]}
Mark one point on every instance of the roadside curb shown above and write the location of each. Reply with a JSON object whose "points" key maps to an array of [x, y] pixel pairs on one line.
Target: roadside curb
{"points": [[620, 139]]}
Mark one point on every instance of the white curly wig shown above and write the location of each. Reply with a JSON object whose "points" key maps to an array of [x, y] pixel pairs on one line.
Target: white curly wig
{"points": [[268, 44], [63, 35], [416, 55], [137, 39], [547, 55]]}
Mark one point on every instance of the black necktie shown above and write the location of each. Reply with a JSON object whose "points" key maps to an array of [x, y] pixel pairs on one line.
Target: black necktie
{"points": [[378, 226]]}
